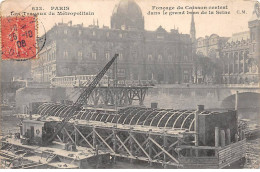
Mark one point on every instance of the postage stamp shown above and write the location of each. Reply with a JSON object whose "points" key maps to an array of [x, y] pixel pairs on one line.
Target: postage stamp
{"points": [[19, 37]]}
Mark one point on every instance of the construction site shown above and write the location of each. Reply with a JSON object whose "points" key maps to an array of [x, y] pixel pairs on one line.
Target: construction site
{"points": [[102, 127]]}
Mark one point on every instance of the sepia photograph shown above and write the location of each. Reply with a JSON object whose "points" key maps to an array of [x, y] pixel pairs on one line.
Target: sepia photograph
{"points": [[130, 84]]}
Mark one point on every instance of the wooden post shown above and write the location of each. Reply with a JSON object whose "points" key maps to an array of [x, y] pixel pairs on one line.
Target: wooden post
{"points": [[196, 128], [236, 103], [240, 134], [236, 138], [222, 139], [216, 140], [243, 135], [164, 146], [114, 143], [131, 141], [97, 149], [216, 137], [199, 109], [63, 137], [150, 146], [228, 137], [76, 136], [94, 137]]}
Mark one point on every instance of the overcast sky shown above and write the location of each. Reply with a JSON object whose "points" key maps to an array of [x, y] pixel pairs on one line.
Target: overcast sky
{"points": [[223, 25]]}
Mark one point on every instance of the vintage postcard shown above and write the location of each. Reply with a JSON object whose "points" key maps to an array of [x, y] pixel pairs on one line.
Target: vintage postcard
{"points": [[133, 84]]}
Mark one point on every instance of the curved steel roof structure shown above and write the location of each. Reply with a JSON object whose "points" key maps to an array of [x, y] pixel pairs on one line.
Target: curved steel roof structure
{"points": [[163, 118]]}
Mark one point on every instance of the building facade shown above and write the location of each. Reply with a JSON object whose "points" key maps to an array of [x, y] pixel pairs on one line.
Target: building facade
{"points": [[210, 46], [235, 58], [143, 55], [241, 54]]}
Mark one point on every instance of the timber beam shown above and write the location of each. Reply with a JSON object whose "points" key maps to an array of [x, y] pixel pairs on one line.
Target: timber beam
{"points": [[148, 146]]}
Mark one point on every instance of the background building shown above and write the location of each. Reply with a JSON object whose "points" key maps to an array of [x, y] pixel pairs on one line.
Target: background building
{"points": [[143, 55], [210, 46], [242, 52], [233, 60]]}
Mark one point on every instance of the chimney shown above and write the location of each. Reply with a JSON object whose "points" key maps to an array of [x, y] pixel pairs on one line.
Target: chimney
{"points": [[70, 23], [200, 108], [154, 105]]}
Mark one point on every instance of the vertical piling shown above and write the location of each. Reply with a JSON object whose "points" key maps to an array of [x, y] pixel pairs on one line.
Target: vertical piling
{"points": [[236, 103], [196, 128], [222, 138], [199, 109], [97, 149], [243, 135], [236, 138], [216, 137], [76, 136], [114, 143], [216, 140], [63, 136], [236, 109], [150, 146], [131, 141], [94, 137], [228, 137], [164, 147], [240, 134]]}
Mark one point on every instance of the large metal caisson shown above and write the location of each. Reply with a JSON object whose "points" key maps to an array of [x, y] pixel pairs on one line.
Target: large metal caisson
{"points": [[166, 118]]}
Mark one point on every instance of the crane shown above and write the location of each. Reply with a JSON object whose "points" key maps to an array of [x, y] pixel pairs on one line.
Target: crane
{"points": [[77, 105]]}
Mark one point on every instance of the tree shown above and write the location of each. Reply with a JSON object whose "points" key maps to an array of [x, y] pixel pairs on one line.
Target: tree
{"points": [[207, 68]]}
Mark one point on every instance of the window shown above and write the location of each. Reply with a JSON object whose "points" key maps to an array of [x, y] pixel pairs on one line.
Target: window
{"points": [[79, 53], [121, 35], [150, 57], [123, 27], [107, 56], [53, 55], [80, 32], [65, 32], [65, 54], [94, 33], [121, 72], [134, 55], [120, 56], [107, 34], [253, 36], [160, 36], [94, 56], [159, 58]]}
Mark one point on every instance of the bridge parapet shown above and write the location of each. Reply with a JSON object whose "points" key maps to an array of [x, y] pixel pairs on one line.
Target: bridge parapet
{"points": [[181, 95]]}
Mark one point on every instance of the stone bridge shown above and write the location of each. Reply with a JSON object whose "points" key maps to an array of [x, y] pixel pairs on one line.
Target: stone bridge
{"points": [[212, 96], [167, 96]]}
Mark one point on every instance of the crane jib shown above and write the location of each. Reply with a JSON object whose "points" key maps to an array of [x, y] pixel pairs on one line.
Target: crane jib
{"points": [[86, 93], [82, 98]]}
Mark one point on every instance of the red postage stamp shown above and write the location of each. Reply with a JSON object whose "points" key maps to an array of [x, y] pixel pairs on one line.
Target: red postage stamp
{"points": [[18, 36]]}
